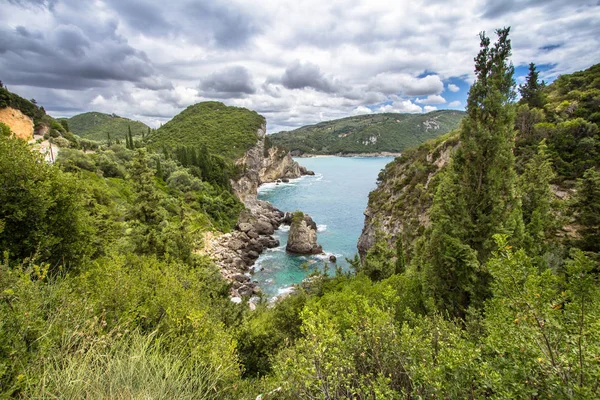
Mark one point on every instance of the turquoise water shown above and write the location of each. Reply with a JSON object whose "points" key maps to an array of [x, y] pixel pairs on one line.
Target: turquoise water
{"points": [[335, 198]]}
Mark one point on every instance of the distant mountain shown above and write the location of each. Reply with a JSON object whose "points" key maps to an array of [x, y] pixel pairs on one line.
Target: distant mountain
{"points": [[226, 131], [97, 126], [374, 133]]}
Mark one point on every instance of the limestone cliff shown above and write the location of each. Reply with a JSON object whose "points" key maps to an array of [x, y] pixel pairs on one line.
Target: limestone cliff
{"points": [[19, 123], [262, 165], [399, 208]]}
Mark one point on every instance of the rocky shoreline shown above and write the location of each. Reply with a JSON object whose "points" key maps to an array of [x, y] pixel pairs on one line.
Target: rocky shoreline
{"points": [[235, 253]]}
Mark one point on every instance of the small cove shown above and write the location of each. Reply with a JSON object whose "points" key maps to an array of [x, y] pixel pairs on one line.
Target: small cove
{"points": [[335, 197]]}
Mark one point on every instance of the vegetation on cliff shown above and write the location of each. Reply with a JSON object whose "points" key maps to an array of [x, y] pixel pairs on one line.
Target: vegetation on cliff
{"points": [[100, 127], [388, 132]]}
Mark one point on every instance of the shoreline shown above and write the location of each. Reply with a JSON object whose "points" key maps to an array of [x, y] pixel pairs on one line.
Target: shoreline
{"points": [[351, 155]]}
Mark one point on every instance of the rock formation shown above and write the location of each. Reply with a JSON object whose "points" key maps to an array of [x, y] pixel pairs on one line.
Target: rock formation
{"points": [[262, 165], [19, 123], [302, 238]]}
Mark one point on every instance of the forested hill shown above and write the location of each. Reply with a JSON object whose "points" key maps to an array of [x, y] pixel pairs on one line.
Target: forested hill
{"points": [[99, 126], [388, 132], [226, 131]]}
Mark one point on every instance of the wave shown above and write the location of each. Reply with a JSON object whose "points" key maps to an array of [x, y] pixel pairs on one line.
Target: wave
{"points": [[286, 290], [284, 228], [321, 228]]}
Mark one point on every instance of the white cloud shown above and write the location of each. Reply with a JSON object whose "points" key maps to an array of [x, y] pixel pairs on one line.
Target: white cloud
{"points": [[429, 108], [404, 106], [337, 59], [361, 110], [432, 99]]}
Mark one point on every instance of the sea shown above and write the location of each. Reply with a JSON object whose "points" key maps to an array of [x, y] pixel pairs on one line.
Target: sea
{"points": [[336, 198]]}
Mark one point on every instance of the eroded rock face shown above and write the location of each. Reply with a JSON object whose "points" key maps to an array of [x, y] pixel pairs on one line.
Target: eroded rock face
{"points": [[262, 166], [19, 123], [302, 238]]}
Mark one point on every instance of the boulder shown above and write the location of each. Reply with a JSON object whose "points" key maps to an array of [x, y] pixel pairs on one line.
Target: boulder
{"points": [[332, 258], [285, 180], [245, 227], [263, 227], [241, 278], [268, 241], [235, 244], [302, 238], [252, 234]]}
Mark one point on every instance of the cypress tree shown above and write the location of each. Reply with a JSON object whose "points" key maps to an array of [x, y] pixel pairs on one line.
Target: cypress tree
{"points": [[531, 90], [476, 197]]}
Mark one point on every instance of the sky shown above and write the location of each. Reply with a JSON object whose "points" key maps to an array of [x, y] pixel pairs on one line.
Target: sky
{"points": [[295, 62]]}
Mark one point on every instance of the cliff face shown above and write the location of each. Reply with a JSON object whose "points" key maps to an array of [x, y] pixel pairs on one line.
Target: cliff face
{"points": [[19, 123], [399, 208], [262, 166]]}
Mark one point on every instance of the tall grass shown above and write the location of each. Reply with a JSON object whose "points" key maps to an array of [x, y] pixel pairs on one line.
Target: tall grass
{"points": [[136, 367]]}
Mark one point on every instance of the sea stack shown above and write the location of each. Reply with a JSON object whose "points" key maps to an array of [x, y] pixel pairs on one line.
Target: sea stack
{"points": [[302, 238]]}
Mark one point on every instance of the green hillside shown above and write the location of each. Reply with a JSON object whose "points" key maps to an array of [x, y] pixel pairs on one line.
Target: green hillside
{"points": [[391, 132], [97, 126], [226, 131]]}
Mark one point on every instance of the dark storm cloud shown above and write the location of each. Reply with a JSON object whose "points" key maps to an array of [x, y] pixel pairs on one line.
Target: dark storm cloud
{"points": [[230, 25], [306, 75], [35, 3], [218, 23], [67, 58], [228, 83]]}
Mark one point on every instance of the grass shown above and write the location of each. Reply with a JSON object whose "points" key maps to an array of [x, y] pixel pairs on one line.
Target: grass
{"points": [[133, 367]]}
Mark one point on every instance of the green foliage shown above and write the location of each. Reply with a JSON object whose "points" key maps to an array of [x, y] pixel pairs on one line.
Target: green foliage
{"points": [[536, 198], [97, 126], [391, 132], [5, 130], [225, 131], [587, 210], [531, 90], [41, 209], [543, 328]]}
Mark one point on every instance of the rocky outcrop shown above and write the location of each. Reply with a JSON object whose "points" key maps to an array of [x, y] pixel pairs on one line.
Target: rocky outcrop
{"points": [[262, 165], [399, 208], [235, 252], [19, 123], [302, 238]]}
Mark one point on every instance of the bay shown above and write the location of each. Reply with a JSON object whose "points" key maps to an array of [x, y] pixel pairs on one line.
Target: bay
{"points": [[335, 197]]}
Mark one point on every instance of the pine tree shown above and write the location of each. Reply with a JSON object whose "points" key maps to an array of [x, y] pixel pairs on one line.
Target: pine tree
{"points": [[531, 90], [476, 197]]}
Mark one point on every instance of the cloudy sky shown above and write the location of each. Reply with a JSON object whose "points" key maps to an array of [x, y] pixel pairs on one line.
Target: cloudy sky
{"points": [[296, 62]]}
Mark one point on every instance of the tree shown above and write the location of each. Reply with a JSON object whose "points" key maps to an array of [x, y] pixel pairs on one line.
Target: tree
{"points": [[587, 210], [41, 209], [536, 198], [531, 90], [476, 197]]}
